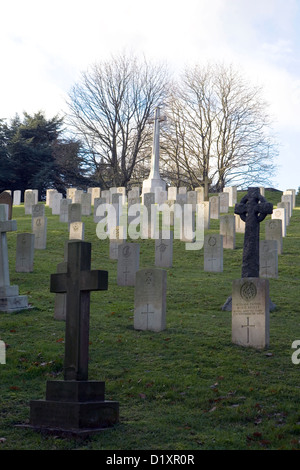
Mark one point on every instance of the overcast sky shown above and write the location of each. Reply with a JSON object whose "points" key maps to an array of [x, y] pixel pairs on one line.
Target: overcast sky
{"points": [[45, 46]]}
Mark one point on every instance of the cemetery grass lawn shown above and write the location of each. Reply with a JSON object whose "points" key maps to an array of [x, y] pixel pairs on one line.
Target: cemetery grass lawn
{"points": [[186, 388]]}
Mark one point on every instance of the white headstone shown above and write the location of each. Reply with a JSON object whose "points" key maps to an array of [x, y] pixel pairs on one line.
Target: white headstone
{"points": [[98, 216], [293, 192], [76, 231], [268, 259], [273, 231], [39, 228], [71, 194], [214, 207], [280, 214], [74, 212], [64, 210], [239, 224], [224, 202], [213, 252], [227, 229], [288, 198], [232, 191], [86, 203], [164, 251], [128, 263], [29, 200], [200, 193], [250, 312], [17, 197], [116, 238], [150, 299], [24, 252], [55, 199]]}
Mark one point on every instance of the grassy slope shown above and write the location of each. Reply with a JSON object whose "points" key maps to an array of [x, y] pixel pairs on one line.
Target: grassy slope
{"points": [[187, 387]]}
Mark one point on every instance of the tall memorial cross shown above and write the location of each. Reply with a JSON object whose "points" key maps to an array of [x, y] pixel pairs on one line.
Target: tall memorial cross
{"points": [[154, 171], [77, 283], [252, 209]]}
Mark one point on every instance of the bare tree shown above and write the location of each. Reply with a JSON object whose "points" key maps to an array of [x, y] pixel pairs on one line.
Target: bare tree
{"points": [[245, 146], [109, 109], [219, 130]]}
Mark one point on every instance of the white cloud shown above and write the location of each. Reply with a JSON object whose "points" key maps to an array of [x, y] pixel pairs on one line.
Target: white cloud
{"points": [[45, 45]]}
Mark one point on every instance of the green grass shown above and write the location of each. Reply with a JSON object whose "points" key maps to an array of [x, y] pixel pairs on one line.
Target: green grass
{"points": [[187, 387]]}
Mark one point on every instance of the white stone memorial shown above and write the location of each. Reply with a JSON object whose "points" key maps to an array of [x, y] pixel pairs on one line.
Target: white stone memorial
{"points": [[24, 252], [128, 263], [76, 231], [17, 197], [154, 180], [39, 229], [86, 204], [227, 229], [214, 207], [280, 214], [150, 299], [250, 312], [164, 251], [224, 202], [268, 259], [64, 210], [213, 252], [273, 231], [117, 236]]}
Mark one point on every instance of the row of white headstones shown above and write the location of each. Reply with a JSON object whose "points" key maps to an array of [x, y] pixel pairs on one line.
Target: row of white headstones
{"points": [[127, 255]]}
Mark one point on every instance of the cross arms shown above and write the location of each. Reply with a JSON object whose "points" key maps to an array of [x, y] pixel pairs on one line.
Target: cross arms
{"points": [[88, 281]]}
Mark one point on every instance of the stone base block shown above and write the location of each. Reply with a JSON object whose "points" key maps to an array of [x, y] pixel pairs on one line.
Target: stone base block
{"points": [[74, 406], [13, 303], [73, 390], [9, 291]]}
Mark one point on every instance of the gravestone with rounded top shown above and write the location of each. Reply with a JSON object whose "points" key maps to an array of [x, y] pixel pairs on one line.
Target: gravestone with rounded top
{"points": [[250, 312], [213, 252], [273, 231], [150, 299], [128, 263], [25, 252]]}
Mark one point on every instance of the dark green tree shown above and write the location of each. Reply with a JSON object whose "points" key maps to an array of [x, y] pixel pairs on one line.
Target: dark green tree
{"points": [[34, 154]]}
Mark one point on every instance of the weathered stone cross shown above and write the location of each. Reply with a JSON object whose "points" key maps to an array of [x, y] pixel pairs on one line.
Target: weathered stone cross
{"points": [[77, 283], [5, 226], [252, 209]]}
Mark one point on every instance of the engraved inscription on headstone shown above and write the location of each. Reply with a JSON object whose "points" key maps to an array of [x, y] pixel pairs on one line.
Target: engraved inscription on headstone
{"points": [[150, 299], [213, 252], [250, 312]]}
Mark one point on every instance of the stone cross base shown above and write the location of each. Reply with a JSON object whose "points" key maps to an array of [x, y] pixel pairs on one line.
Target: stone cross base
{"points": [[76, 407], [10, 300]]}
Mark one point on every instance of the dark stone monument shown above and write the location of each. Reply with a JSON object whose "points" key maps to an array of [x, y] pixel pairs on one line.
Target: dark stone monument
{"points": [[76, 405], [252, 209]]}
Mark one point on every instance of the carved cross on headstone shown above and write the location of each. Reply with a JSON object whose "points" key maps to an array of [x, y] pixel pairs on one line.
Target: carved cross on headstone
{"points": [[252, 209], [77, 283]]}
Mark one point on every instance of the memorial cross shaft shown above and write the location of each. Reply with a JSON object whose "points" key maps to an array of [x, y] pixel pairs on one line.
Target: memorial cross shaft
{"points": [[77, 283], [252, 209]]}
